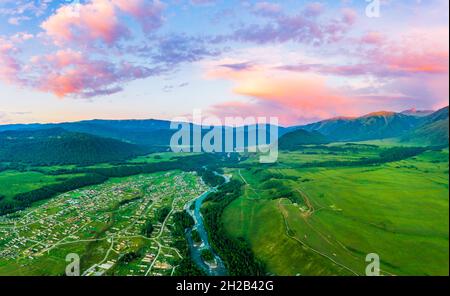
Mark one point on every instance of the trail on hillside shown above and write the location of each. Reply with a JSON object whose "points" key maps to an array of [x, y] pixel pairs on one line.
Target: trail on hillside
{"points": [[288, 234]]}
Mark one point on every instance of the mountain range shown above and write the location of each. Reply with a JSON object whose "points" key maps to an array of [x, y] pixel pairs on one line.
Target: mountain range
{"points": [[432, 130], [114, 140], [377, 125], [419, 127]]}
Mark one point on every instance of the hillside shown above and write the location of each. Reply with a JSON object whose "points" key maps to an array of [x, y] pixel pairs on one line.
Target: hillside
{"points": [[58, 146], [378, 125], [292, 140], [151, 133], [432, 131]]}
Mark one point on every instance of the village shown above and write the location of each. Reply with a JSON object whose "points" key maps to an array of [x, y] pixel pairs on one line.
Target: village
{"points": [[102, 224]]}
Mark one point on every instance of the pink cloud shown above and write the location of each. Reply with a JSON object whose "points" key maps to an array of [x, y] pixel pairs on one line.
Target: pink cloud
{"points": [[70, 73], [100, 20], [9, 65], [373, 37], [349, 16], [404, 78], [421, 61], [255, 108], [411, 55], [79, 68], [90, 22], [293, 97], [417, 51], [60, 59], [307, 96]]}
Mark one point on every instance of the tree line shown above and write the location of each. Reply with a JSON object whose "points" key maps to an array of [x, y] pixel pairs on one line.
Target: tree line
{"points": [[187, 267], [236, 254]]}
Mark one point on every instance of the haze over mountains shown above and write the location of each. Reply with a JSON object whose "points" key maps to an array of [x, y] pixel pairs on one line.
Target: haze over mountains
{"points": [[96, 141]]}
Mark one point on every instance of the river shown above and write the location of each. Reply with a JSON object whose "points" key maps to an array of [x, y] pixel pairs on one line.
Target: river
{"points": [[217, 269]]}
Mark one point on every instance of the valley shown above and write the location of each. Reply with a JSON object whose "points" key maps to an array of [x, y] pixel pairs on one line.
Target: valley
{"points": [[193, 144], [320, 209]]}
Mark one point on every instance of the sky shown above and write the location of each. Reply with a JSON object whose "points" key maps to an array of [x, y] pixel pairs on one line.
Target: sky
{"points": [[300, 61]]}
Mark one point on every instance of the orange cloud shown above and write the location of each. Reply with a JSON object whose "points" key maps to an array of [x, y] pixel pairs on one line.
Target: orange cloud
{"points": [[291, 96]]}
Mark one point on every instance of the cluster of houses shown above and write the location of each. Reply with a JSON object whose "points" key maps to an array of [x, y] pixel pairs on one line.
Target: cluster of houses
{"points": [[75, 217]]}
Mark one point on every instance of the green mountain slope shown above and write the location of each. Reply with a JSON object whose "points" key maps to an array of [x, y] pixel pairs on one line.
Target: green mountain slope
{"points": [[378, 125], [292, 140], [58, 146], [432, 131]]}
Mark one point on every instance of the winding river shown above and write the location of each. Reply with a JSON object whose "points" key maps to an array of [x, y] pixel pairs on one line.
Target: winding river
{"points": [[194, 209]]}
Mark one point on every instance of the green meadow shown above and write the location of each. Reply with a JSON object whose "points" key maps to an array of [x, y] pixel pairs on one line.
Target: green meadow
{"points": [[14, 182], [332, 217]]}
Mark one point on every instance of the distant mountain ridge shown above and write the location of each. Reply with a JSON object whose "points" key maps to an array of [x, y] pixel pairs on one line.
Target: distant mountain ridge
{"points": [[155, 134], [141, 132]]}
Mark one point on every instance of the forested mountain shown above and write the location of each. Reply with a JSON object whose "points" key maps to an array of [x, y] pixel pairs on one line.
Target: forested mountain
{"points": [[150, 133], [293, 140], [58, 146]]}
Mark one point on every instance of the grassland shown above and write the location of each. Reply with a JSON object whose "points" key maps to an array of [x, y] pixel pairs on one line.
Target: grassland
{"points": [[159, 157], [333, 217], [14, 182], [298, 220]]}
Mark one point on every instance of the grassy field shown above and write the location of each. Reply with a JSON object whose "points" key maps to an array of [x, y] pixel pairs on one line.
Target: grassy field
{"points": [[338, 215], [159, 157], [14, 182]]}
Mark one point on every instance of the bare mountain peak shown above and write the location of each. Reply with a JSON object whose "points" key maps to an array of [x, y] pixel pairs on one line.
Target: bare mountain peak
{"points": [[380, 113], [415, 112]]}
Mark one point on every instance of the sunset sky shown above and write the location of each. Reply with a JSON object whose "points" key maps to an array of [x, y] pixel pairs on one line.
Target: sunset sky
{"points": [[299, 60]]}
